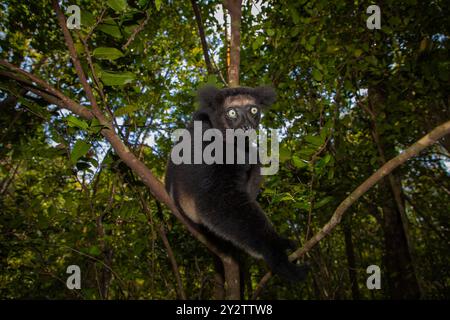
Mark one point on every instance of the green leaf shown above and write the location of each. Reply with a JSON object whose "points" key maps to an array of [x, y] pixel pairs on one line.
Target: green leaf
{"points": [[117, 5], [126, 110], [110, 78], [95, 126], [34, 108], [286, 197], [78, 123], [303, 205], [111, 29], [330, 173], [81, 165], [79, 48], [348, 85], [94, 251], [327, 158], [323, 202], [317, 75], [212, 79], [285, 154], [107, 53], [94, 162], [158, 4], [258, 42], [295, 16], [307, 152], [315, 140], [80, 148], [299, 163], [358, 53], [130, 29], [87, 18]]}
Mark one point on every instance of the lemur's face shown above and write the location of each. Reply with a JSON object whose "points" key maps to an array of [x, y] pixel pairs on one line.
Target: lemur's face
{"points": [[240, 112], [233, 108]]}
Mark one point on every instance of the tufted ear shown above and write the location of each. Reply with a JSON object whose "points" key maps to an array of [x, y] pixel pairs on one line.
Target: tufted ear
{"points": [[209, 97], [265, 95]]}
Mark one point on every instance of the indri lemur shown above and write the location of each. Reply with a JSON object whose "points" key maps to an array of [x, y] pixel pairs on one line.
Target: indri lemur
{"points": [[222, 197]]}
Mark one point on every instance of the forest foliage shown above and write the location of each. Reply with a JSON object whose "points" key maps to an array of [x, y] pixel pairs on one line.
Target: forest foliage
{"points": [[349, 99]]}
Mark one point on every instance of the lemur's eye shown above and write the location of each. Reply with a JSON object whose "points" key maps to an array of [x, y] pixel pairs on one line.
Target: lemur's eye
{"points": [[232, 113], [254, 110]]}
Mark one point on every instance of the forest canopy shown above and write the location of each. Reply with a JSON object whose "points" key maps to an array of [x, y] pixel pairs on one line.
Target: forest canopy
{"points": [[87, 112]]}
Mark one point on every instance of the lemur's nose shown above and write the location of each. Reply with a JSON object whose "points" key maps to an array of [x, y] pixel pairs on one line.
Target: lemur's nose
{"points": [[246, 127]]}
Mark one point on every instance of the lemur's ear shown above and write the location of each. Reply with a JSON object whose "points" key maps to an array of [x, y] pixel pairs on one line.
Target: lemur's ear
{"points": [[209, 97], [265, 95]]}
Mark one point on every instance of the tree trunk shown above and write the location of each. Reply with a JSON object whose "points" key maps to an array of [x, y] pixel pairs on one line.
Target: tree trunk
{"points": [[232, 283], [350, 252], [235, 9], [218, 280], [401, 276]]}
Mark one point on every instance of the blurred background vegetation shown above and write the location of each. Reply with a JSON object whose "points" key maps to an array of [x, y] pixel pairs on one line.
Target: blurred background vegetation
{"points": [[349, 99]]}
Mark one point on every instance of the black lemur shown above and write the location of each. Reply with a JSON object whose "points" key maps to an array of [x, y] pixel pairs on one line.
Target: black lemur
{"points": [[222, 197]]}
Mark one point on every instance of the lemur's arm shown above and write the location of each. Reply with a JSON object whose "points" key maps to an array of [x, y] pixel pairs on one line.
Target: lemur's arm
{"points": [[233, 216], [254, 181]]}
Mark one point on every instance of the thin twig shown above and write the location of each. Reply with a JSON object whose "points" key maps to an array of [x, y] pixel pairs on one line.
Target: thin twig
{"points": [[138, 29], [99, 20]]}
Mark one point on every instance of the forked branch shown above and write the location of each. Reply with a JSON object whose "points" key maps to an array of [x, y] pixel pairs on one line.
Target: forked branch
{"points": [[426, 141]]}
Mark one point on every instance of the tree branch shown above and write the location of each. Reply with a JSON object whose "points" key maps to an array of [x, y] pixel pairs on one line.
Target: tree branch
{"points": [[162, 233], [54, 96], [76, 62], [235, 9], [426, 141], [138, 29], [155, 186], [201, 31]]}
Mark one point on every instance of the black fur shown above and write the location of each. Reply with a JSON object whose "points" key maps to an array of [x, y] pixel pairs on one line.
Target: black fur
{"points": [[225, 194]]}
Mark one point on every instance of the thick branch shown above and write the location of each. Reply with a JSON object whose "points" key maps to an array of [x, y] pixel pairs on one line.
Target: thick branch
{"points": [[76, 63], [231, 266], [232, 278], [426, 141], [235, 9], [156, 187]]}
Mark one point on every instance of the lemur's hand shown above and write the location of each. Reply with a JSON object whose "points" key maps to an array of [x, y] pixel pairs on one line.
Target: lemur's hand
{"points": [[287, 244]]}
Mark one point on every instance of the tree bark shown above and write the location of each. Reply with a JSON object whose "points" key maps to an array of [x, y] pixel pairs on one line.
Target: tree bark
{"points": [[201, 32], [218, 279], [402, 279], [350, 252], [400, 273], [235, 9], [232, 278]]}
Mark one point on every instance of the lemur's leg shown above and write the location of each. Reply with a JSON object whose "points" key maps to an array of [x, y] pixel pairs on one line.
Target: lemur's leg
{"points": [[236, 218]]}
